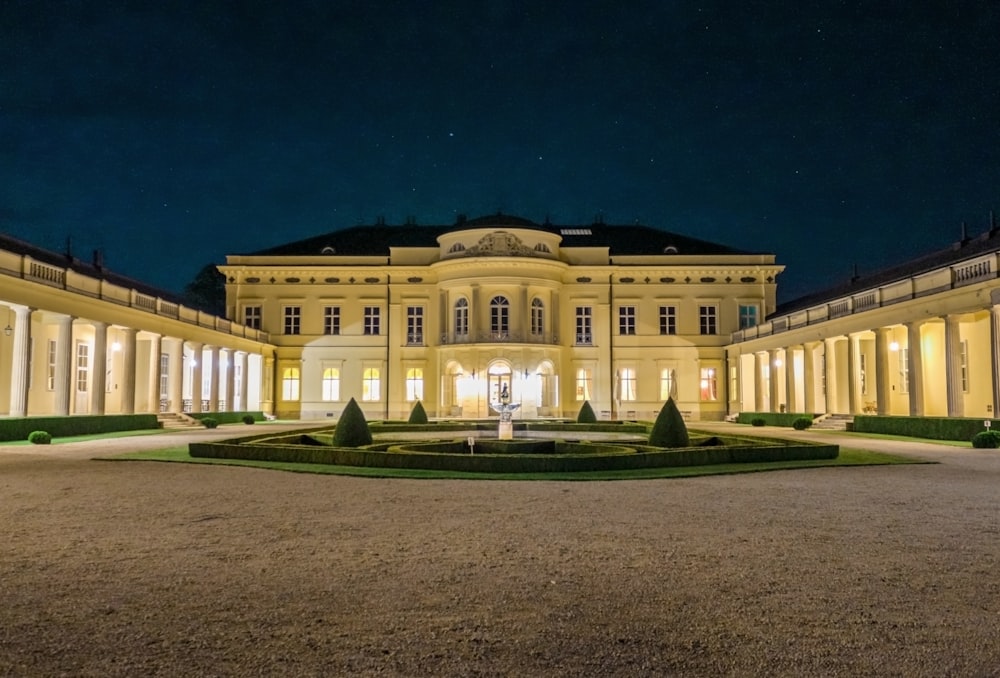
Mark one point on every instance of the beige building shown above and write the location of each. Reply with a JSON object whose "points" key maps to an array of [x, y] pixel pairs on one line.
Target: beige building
{"points": [[80, 339], [620, 316], [921, 338]]}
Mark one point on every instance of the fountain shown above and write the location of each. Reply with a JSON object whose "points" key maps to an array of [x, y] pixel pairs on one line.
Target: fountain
{"points": [[505, 409]]}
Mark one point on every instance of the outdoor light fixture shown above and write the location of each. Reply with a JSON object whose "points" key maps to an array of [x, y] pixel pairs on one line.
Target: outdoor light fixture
{"points": [[116, 347], [777, 362], [7, 330], [893, 345]]}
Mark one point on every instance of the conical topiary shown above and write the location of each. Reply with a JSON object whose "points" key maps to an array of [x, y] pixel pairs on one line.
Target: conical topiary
{"points": [[352, 429], [669, 430], [586, 415], [417, 414]]}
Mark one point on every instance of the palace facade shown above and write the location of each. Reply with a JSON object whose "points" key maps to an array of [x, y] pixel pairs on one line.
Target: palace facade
{"points": [[621, 316]]}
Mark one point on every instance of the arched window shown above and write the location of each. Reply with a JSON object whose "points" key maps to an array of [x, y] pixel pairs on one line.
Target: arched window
{"points": [[462, 317], [370, 384], [414, 384], [541, 247], [499, 316], [457, 247], [290, 383], [331, 384], [537, 317]]}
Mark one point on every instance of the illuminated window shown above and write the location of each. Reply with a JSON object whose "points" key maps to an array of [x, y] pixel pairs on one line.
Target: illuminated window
{"points": [[963, 365], [668, 320], [537, 317], [372, 321], [251, 317], [709, 384], [462, 317], [666, 383], [370, 384], [708, 318], [627, 384], [733, 382], [904, 370], [82, 366], [331, 384], [290, 383], [414, 325], [584, 318], [626, 320], [50, 366], [165, 376], [414, 384], [499, 316], [293, 319], [584, 384], [331, 320]]}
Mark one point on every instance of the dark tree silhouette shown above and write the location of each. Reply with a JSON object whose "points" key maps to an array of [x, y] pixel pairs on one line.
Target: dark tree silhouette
{"points": [[207, 291]]}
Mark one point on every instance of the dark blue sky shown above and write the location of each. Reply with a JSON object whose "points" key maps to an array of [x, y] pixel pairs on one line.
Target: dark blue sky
{"points": [[829, 133]]}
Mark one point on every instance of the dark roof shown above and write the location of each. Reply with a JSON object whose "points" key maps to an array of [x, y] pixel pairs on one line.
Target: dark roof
{"points": [[376, 239], [92, 269], [959, 251]]}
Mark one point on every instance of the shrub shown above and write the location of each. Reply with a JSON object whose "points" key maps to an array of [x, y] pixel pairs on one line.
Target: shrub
{"points": [[802, 423], [352, 428], [417, 414], [43, 438], [986, 439], [669, 429], [757, 421], [586, 415], [209, 422], [248, 419]]}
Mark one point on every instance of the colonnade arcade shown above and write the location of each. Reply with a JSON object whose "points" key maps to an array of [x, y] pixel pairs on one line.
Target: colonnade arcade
{"points": [[947, 365], [57, 364]]}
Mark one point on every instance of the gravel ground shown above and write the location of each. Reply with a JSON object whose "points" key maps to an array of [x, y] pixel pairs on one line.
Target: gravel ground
{"points": [[151, 569]]}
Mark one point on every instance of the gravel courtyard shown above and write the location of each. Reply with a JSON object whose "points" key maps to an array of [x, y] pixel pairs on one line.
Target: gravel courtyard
{"points": [[153, 569]]}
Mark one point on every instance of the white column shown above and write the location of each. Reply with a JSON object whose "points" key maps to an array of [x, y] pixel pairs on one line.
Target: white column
{"points": [[474, 314], [20, 377], [244, 380], [230, 380], [64, 365], [830, 358], [809, 377], [995, 355], [774, 395], [267, 384], [99, 380], [155, 348], [175, 376], [790, 400], [915, 367], [953, 366], [197, 351], [213, 380], [882, 369], [128, 371], [759, 365], [853, 385]]}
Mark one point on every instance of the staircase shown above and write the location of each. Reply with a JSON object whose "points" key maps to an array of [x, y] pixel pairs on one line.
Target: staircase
{"points": [[833, 422], [173, 420]]}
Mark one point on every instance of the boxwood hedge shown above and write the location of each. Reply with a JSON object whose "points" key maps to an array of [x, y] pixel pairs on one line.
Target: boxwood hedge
{"points": [[75, 425]]}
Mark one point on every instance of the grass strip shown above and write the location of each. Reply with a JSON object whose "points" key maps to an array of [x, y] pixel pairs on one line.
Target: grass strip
{"points": [[848, 457]]}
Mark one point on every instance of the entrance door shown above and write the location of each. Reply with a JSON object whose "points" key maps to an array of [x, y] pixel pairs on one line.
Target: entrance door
{"points": [[498, 382], [82, 379]]}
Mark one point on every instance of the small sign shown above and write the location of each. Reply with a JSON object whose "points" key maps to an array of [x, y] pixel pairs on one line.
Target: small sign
{"points": [[472, 445], [987, 424]]}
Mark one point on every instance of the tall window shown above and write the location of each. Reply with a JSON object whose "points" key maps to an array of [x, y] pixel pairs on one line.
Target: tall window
{"points": [[164, 375], [372, 321], [331, 320], [370, 384], [50, 365], [290, 383], [537, 317], [462, 317], [748, 316], [584, 384], [734, 382], [627, 384], [584, 320], [293, 319], [668, 320], [331, 384], [666, 383], [963, 365], [251, 317], [708, 317], [414, 325], [904, 370], [863, 372], [626, 320], [499, 316], [82, 366], [414, 384], [709, 384]]}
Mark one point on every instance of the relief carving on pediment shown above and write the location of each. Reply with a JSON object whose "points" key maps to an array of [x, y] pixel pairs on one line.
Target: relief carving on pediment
{"points": [[500, 244]]}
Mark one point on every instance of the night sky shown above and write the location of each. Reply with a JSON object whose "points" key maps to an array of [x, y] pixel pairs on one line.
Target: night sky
{"points": [[170, 134]]}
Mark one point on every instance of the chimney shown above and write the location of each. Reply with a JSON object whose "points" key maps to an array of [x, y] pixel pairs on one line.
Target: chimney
{"points": [[98, 259]]}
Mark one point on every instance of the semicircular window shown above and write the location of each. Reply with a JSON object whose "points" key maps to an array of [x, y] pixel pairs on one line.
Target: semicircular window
{"points": [[457, 247], [328, 250]]}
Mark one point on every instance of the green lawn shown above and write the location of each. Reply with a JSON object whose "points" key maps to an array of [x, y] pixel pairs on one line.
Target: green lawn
{"points": [[848, 457], [94, 436]]}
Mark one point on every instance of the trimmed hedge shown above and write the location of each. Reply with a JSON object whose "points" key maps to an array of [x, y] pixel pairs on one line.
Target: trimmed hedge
{"points": [[932, 428], [802, 423], [75, 425], [43, 438], [772, 418], [227, 417], [986, 439], [669, 430]]}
